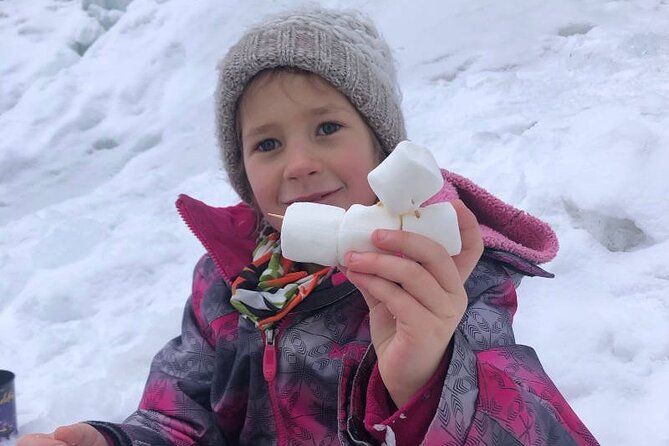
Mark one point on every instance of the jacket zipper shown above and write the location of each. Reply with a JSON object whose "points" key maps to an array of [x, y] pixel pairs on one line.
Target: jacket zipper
{"points": [[269, 355], [185, 216], [269, 365]]}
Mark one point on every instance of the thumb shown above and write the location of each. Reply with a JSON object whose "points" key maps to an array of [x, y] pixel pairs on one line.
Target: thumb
{"points": [[472, 243], [80, 434]]}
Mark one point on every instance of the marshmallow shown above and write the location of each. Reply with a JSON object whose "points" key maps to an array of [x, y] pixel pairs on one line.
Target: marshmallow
{"points": [[310, 231], [323, 234], [438, 222], [406, 178], [355, 230]]}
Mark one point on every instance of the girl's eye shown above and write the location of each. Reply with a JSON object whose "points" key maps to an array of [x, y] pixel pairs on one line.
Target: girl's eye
{"points": [[327, 128], [267, 145]]}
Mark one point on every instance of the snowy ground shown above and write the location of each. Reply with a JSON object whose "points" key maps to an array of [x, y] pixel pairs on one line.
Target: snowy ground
{"points": [[560, 107]]}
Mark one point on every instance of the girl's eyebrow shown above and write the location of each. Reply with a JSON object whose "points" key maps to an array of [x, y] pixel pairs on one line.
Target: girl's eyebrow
{"points": [[257, 130], [318, 111], [328, 108]]}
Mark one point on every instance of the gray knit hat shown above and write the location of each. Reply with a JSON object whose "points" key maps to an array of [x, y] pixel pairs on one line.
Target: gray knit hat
{"points": [[342, 47]]}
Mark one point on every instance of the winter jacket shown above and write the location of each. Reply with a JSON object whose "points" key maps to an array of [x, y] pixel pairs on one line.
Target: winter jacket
{"points": [[312, 380]]}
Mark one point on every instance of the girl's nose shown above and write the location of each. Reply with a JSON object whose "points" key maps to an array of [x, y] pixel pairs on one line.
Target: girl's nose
{"points": [[301, 162]]}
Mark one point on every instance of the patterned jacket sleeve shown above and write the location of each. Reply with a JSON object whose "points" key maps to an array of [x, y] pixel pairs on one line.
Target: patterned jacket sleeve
{"points": [[495, 391], [175, 408]]}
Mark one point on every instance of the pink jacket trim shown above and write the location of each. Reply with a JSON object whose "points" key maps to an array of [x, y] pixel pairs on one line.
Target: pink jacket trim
{"points": [[502, 225]]}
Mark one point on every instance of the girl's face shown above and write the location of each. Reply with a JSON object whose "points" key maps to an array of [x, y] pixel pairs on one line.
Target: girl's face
{"points": [[302, 140]]}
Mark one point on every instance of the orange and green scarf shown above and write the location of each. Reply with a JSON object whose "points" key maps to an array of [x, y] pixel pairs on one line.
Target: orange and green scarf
{"points": [[267, 289]]}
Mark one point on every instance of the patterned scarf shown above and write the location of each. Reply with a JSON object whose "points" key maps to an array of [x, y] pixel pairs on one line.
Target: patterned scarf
{"points": [[267, 289]]}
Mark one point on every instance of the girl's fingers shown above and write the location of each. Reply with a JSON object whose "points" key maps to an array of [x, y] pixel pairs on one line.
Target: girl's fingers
{"points": [[430, 255], [80, 434], [433, 256], [406, 275], [425, 279], [397, 302]]}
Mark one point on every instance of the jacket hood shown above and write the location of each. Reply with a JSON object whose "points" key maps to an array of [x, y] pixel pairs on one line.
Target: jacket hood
{"points": [[503, 226], [229, 233]]}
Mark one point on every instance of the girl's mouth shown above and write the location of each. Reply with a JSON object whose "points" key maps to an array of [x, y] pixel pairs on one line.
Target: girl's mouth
{"points": [[317, 197]]}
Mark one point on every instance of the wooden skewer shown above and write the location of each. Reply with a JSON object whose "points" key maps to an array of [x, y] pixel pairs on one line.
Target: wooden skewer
{"points": [[275, 215]]}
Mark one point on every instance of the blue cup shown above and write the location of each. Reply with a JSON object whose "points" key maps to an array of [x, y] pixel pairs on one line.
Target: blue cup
{"points": [[7, 405]]}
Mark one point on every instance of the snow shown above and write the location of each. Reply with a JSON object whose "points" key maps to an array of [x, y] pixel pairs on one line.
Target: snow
{"points": [[559, 107]]}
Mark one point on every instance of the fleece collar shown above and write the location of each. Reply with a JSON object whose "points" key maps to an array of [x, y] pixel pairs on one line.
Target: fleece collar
{"points": [[229, 233], [503, 226]]}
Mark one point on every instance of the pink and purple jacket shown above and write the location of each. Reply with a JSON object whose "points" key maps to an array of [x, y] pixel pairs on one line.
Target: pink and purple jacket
{"points": [[312, 379]]}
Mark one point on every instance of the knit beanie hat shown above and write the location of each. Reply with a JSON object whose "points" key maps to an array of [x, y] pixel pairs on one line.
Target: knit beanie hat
{"points": [[342, 47]]}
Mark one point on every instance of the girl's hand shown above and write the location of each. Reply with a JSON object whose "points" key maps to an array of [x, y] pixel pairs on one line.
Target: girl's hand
{"points": [[80, 434], [415, 301]]}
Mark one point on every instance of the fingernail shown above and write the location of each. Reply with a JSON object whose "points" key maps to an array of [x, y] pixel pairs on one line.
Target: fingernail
{"points": [[353, 257], [381, 234]]}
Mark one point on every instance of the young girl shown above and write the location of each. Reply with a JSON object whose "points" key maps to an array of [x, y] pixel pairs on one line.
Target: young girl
{"points": [[404, 349]]}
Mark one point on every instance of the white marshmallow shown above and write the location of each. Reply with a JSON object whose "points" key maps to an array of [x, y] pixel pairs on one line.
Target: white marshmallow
{"points": [[323, 234], [438, 222], [355, 230], [309, 233], [406, 178]]}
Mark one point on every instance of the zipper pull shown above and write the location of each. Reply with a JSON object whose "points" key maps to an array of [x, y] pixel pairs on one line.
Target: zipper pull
{"points": [[269, 355]]}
